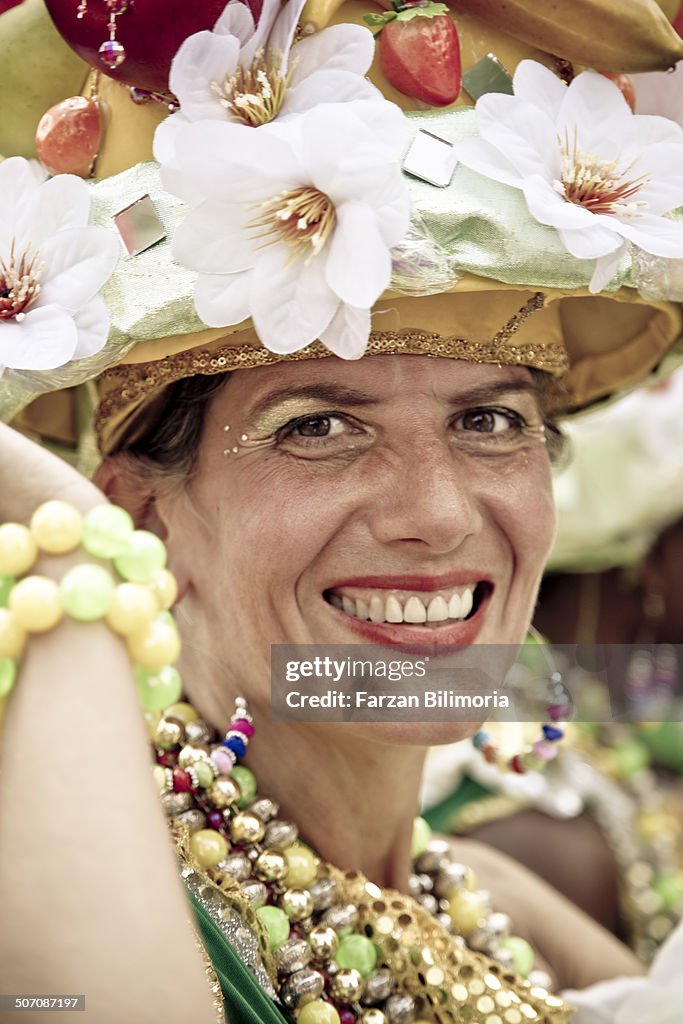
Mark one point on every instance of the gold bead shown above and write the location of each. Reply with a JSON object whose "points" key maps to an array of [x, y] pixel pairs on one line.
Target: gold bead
{"points": [[271, 866], [347, 985], [246, 828], [152, 719], [155, 646], [223, 793], [168, 734], [302, 866], [132, 609], [12, 636], [56, 527], [159, 776], [467, 911], [37, 604], [185, 712], [297, 904], [18, 550], [189, 755], [164, 588], [208, 846], [324, 943], [373, 1016]]}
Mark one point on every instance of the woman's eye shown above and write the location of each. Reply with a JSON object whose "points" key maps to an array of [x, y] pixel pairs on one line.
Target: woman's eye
{"points": [[489, 421], [317, 426]]}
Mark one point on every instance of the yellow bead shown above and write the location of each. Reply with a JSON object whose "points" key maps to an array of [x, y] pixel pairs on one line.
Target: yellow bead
{"points": [[159, 776], [37, 604], [164, 588], [208, 846], [12, 636], [133, 607], [18, 550], [302, 866], [56, 527], [185, 712], [152, 719], [466, 910], [156, 646], [318, 1012]]}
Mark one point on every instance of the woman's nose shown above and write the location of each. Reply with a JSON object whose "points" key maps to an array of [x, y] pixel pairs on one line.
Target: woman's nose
{"points": [[426, 495]]}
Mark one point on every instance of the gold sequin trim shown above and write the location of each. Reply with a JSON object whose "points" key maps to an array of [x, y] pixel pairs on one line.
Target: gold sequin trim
{"points": [[213, 982], [132, 383]]}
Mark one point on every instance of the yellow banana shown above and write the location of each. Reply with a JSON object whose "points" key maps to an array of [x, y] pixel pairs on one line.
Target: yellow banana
{"points": [[609, 35], [670, 7], [37, 70]]}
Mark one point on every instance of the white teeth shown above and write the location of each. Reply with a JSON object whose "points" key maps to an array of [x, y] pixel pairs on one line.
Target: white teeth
{"points": [[414, 610], [376, 609], [336, 601], [466, 603], [349, 606], [362, 610], [394, 612], [438, 609], [454, 607]]}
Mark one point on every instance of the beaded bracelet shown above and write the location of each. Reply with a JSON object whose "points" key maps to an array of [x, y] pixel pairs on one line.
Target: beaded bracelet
{"points": [[135, 606]]}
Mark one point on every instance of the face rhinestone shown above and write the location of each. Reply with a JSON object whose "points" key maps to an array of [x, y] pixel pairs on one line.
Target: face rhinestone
{"points": [[431, 158], [19, 284], [139, 226], [254, 95], [303, 218], [487, 75]]}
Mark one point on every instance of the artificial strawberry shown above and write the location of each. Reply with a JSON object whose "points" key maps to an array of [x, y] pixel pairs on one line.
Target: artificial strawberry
{"points": [[419, 51]]}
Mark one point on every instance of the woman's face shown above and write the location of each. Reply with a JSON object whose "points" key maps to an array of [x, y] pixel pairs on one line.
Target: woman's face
{"points": [[365, 492]]}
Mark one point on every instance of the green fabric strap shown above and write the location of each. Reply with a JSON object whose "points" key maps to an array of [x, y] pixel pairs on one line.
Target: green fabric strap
{"points": [[441, 815], [244, 999]]}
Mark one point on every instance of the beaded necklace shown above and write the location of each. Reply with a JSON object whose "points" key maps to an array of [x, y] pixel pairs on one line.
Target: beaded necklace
{"points": [[331, 946]]}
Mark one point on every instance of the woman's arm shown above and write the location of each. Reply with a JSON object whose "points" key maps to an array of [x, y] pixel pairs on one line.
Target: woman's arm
{"points": [[90, 896]]}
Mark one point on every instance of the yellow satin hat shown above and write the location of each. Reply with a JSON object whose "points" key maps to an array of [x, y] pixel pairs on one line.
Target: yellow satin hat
{"points": [[517, 296]]}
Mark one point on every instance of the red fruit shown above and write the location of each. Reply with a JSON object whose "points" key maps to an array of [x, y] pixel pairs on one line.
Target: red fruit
{"points": [[421, 58], [625, 84], [678, 22]]}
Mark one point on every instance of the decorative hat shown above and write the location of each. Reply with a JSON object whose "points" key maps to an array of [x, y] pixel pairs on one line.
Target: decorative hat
{"points": [[294, 212]]}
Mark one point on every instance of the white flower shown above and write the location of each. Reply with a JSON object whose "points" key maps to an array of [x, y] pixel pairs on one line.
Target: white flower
{"points": [[589, 167], [52, 265], [253, 74], [296, 226]]}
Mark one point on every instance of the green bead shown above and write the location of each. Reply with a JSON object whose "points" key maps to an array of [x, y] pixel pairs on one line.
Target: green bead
{"points": [[630, 758], [106, 531], [156, 690], [246, 780], [204, 772], [8, 673], [144, 555], [6, 584], [669, 888], [87, 592], [357, 952], [422, 833], [318, 1012], [276, 924], [521, 952]]}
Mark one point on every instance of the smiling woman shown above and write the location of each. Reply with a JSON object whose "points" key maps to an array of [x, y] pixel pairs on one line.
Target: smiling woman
{"points": [[303, 496]]}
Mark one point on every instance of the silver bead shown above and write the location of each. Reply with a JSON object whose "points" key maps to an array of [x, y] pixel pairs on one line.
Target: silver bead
{"points": [[451, 876], [378, 987], [340, 918], [499, 924], [256, 893], [503, 957], [427, 882], [347, 985], [293, 956], [176, 803], [436, 856], [236, 865], [444, 920], [540, 979], [197, 733], [428, 902], [264, 808], [194, 819], [400, 1009], [414, 885], [302, 987], [324, 893], [280, 834]]}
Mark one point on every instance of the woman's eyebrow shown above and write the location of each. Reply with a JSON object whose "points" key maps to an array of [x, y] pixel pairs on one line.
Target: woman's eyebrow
{"points": [[331, 393], [490, 392]]}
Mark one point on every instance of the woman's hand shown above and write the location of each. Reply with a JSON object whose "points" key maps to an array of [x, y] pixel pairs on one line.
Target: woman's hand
{"points": [[577, 951], [30, 475]]}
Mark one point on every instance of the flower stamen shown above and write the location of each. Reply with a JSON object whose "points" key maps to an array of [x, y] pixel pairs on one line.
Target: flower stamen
{"points": [[598, 185], [303, 218], [255, 95], [19, 284]]}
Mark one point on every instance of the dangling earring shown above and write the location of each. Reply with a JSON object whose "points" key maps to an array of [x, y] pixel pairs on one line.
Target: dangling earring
{"points": [[112, 52]]}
